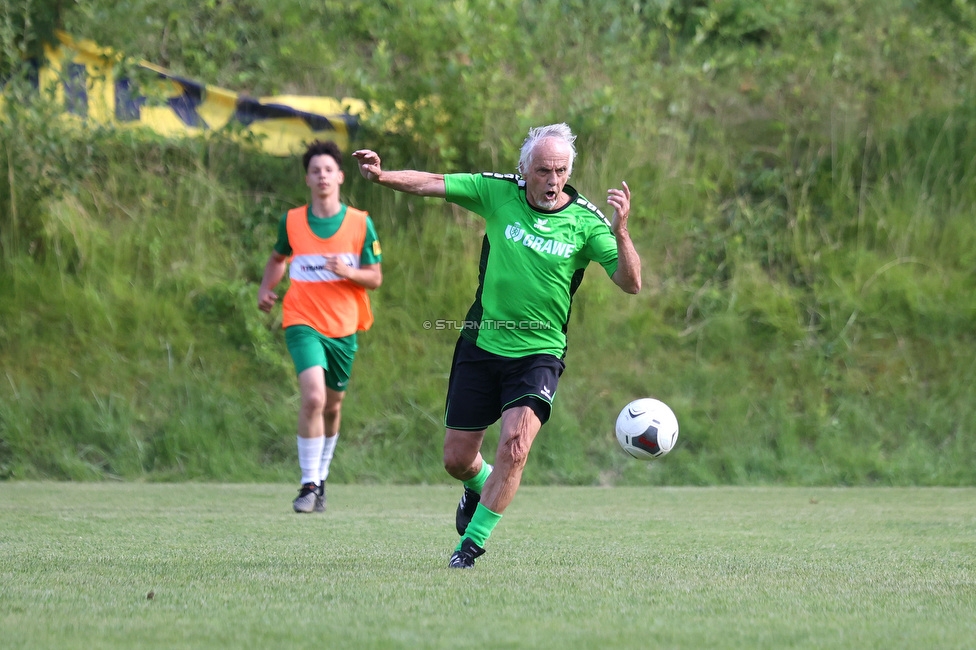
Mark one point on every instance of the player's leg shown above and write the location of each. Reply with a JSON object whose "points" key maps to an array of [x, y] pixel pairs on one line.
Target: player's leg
{"points": [[463, 461], [473, 403], [340, 353], [520, 425], [308, 356], [311, 436], [332, 416], [528, 386]]}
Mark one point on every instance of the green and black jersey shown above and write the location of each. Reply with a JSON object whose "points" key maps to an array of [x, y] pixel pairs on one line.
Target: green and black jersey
{"points": [[532, 262]]}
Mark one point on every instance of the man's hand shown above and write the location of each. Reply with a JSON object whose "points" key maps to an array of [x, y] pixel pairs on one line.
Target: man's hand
{"points": [[628, 273], [620, 200], [334, 264], [369, 164], [266, 299], [274, 270]]}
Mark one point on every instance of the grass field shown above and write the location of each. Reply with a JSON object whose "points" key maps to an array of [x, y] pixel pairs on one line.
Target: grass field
{"points": [[131, 565]]}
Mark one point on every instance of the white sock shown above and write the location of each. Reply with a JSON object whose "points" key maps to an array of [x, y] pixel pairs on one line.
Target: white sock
{"points": [[328, 450], [309, 458]]}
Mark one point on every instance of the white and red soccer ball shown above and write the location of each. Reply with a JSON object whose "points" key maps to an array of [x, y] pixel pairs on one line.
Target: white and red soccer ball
{"points": [[647, 428]]}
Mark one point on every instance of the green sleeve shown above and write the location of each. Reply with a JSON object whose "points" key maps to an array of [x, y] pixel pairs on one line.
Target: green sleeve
{"points": [[465, 191], [283, 246], [371, 253], [601, 247]]}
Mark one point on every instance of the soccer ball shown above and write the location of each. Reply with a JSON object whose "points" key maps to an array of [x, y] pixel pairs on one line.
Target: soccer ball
{"points": [[647, 428]]}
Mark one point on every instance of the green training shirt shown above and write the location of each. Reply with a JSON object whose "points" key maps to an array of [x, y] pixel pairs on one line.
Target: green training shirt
{"points": [[532, 262]]}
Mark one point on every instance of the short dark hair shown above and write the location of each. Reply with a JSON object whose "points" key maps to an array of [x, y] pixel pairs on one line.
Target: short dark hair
{"points": [[320, 148]]}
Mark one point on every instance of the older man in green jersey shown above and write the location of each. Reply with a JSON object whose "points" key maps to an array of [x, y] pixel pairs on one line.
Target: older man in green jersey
{"points": [[540, 234]]}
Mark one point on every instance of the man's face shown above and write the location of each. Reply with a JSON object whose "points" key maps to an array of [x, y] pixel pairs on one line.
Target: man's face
{"points": [[323, 176], [547, 174]]}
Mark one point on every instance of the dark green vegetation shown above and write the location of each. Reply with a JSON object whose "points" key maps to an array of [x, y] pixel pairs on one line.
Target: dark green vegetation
{"points": [[229, 566], [803, 177]]}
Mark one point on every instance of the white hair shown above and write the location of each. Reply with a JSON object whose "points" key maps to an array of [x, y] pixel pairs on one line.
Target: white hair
{"points": [[560, 132]]}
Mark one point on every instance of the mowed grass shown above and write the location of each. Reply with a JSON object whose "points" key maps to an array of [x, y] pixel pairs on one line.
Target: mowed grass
{"points": [[131, 565]]}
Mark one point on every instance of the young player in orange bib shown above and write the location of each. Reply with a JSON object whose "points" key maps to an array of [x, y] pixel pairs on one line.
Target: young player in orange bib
{"points": [[334, 258]]}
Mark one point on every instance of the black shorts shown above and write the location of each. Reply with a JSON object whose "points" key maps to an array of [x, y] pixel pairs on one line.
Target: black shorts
{"points": [[482, 385]]}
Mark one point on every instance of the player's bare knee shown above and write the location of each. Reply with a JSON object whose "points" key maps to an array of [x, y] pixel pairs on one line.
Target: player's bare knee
{"points": [[332, 410], [453, 464], [313, 405], [458, 465]]}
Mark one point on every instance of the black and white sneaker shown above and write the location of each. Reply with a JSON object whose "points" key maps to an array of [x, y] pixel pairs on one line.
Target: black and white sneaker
{"points": [[319, 498], [305, 501], [464, 557], [465, 510]]}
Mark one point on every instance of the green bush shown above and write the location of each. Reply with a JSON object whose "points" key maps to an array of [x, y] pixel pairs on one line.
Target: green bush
{"points": [[802, 178]]}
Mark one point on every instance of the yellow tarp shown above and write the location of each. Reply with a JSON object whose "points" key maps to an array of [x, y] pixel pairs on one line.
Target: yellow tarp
{"points": [[86, 81]]}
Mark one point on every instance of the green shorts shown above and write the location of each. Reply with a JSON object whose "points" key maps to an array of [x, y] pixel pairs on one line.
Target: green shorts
{"points": [[308, 348]]}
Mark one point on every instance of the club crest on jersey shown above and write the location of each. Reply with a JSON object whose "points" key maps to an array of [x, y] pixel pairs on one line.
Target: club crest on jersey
{"points": [[514, 232]]}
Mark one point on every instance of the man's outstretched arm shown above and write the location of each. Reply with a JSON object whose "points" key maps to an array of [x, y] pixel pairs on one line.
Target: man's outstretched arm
{"points": [[409, 181]]}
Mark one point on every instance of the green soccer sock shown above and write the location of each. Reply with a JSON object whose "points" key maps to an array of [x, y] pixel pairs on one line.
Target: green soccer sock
{"points": [[482, 523], [477, 482]]}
